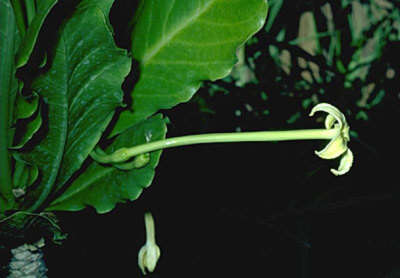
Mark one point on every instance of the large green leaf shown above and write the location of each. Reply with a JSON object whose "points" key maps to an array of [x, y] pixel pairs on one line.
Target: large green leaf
{"points": [[81, 89], [103, 186], [7, 77], [29, 40], [179, 43]]}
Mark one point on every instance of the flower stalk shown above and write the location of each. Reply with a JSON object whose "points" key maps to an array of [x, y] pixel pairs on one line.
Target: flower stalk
{"points": [[336, 130], [124, 154]]}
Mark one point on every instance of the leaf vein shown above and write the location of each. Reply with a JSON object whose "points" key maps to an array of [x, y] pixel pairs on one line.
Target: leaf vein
{"points": [[203, 44], [192, 63], [167, 17], [230, 24], [158, 46], [92, 78]]}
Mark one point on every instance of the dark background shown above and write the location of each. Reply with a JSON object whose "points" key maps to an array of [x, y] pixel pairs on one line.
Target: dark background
{"points": [[264, 209]]}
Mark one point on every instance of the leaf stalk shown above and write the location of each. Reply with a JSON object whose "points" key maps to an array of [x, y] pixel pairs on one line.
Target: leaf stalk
{"points": [[7, 29]]}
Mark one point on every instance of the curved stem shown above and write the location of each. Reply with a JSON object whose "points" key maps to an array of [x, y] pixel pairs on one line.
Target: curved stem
{"points": [[124, 154]]}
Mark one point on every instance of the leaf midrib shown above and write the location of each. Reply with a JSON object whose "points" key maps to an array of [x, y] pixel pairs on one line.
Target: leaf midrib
{"points": [[156, 48], [83, 187]]}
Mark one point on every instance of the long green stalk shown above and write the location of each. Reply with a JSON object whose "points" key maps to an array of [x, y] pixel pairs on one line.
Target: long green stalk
{"points": [[124, 154], [7, 33]]}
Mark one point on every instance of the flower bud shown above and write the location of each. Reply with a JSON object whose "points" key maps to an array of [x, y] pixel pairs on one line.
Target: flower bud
{"points": [[150, 252]]}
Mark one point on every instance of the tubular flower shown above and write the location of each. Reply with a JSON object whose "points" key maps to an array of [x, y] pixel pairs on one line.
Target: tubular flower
{"points": [[337, 146], [150, 252]]}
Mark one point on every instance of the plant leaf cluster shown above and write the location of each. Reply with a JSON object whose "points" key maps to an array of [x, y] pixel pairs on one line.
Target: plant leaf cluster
{"points": [[62, 95]]}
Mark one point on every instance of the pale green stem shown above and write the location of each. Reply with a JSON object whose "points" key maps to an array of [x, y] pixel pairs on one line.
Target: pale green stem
{"points": [[124, 154], [150, 231]]}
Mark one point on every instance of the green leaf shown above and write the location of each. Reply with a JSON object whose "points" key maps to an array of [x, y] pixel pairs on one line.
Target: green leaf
{"points": [[7, 78], [183, 42], [26, 129], [26, 106], [81, 90], [19, 16], [24, 174], [29, 40], [30, 8], [104, 186]]}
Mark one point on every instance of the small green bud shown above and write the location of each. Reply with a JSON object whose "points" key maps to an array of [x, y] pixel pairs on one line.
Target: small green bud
{"points": [[141, 160]]}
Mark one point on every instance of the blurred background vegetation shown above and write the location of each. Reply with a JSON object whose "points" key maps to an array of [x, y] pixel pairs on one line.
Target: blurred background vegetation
{"points": [[270, 209]]}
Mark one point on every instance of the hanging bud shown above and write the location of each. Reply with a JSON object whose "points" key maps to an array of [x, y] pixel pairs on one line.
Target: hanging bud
{"points": [[150, 252]]}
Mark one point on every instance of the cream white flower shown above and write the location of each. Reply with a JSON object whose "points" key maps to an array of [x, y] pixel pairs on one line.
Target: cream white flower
{"points": [[337, 146], [150, 252]]}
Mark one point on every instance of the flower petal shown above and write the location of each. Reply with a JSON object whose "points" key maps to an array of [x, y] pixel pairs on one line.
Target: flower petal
{"points": [[332, 112], [329, 121], [141, 259], [153, 254], [335, 148], [345, 163], [148, 257]]}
